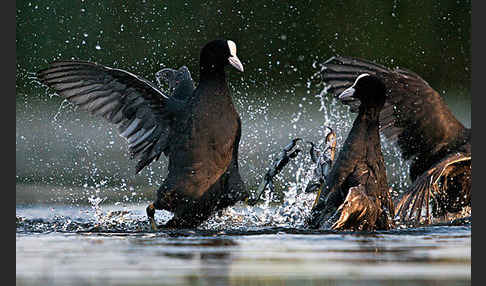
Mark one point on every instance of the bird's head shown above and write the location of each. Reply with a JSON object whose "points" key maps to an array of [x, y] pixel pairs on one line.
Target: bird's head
{"points": [[368, 88], [217, 54]]}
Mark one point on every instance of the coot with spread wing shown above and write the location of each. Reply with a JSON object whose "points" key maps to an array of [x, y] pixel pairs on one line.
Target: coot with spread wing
{"points": [[417, 118], [197, 129]]}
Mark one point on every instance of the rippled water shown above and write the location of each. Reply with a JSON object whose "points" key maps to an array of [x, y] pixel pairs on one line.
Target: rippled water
{"points": [[81, 212], [112, 245], [75, 229]]}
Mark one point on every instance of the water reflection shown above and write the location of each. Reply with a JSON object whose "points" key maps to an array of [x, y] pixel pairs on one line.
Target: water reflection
{"points": [[211, 257], [255, 255], [60, 242]]}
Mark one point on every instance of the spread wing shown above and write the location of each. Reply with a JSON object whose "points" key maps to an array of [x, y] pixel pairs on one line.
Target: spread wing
{"points": [[424, 187], [180, 82], [134, 104], [414, 115]]}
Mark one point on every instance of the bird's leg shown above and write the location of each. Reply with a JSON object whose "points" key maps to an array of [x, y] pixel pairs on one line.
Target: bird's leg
{"points": [[270, 185], [314, 153], [294, 153], [261, 189], [150, 215], [291, 145], [326, 160], [316, 200], [331, 142], [277, 165]]}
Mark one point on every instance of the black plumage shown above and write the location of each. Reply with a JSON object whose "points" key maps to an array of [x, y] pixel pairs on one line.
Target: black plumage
{"points": [[197, 129], [416, 117], [355, 195]]}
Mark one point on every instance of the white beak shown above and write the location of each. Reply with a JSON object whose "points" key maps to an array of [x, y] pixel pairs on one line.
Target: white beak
{"points": [[347, 94], [234, 61]]}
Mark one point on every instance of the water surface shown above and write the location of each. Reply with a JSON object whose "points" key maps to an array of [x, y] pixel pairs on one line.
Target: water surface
{"points": [[112, 245]]}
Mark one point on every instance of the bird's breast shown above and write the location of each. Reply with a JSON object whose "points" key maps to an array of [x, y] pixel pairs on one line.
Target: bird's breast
{"points": [[212, 126]]}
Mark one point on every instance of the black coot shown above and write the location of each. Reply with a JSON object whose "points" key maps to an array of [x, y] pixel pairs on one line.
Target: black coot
{"points": [[428, 134], [356, 194], [198, 129]]}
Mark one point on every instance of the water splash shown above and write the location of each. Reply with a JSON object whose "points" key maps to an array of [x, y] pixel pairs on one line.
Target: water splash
{"points": [[292, 211], [269, 118], [95, 206], [65, 103]]}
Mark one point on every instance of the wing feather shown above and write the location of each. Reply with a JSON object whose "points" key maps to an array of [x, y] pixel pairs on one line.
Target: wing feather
{"points": [[131, 102], [414, 115]]}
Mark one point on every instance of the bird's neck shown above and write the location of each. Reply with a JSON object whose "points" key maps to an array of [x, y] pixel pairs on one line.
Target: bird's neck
{"points": [[214, 83], [212, 74], [369, 113], [367, 122]]}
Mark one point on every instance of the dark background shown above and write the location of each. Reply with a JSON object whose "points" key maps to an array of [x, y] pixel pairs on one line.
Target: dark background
{"points": [[277, 41], [280, 44]]}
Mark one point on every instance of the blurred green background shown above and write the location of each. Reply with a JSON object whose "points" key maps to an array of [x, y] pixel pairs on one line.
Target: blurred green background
{"points": [[280, 44], [278, 41]]}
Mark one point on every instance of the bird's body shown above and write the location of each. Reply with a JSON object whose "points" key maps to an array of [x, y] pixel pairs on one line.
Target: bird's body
{"points": [[197, 129], [203, 151], [202, 140], [359, 171], [416, 117]]}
